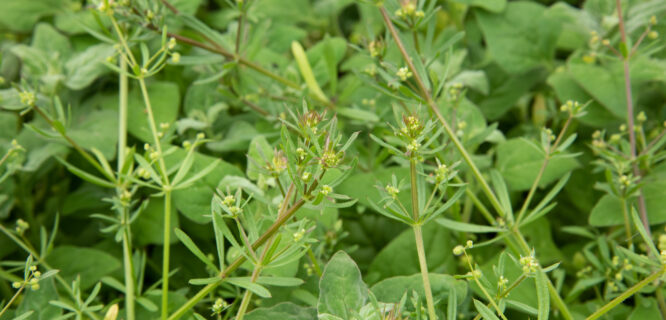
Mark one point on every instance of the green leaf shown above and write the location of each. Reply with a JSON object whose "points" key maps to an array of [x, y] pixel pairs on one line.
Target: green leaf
{"points": [[194, 201], [438, 245], [506, 90], [490, 5], [84, 67], [258, 154], [608, 210], [280, 281], [486, 313], [522, 37], [641, 229], [467, 227], [645, 308], [567, 88], [283, 311], [519, 162], [187, 241], [502, 193], [22, 15], [358, 114], [342, 291], [604, 84], [164, 99], [97, 129], [86, 176], [543, 297], [364, 184], [90, 264], [246, 283], [391, 290], [306, 71], [148, 228]]}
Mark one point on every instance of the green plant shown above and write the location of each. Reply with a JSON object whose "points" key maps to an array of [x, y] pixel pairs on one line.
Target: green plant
{"points": [[397, 159]]}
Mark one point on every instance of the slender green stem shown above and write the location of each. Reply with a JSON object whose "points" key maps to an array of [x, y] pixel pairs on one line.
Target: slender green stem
{"points": [[166, 251], [122, 114], [248, 294], [418, 237], [660, 301], [505, 293], [630, 120], [128, 265], [625, 295], [153, 130], [627, 223], [546, 159], [315, 264], [482, 288], [9, 303], [241, 22], [128, 268]]}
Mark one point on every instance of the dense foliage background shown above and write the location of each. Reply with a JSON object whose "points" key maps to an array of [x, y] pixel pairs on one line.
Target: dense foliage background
{"points": [[497, 70]]}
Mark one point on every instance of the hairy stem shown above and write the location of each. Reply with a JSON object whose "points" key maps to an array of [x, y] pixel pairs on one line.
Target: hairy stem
{"points": [[165, 254], [630, 119], [418, 237], [128, 265]]}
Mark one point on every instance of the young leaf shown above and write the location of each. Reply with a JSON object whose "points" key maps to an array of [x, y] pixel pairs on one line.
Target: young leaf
{"points": [[244, 282], [485, 312], [306, 71], [341, 288], [467, 227], [187, 241], [543, 297]]}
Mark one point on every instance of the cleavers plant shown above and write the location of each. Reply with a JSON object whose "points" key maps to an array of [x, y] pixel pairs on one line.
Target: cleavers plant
{"points": [[395, 159]]}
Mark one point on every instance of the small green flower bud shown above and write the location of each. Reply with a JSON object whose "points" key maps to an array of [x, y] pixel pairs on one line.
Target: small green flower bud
{"points": [[326, 189], [392, 191], [458, 250], [16, 284], [641, 117], [306, 176], [404, 74], [27, 98], [175, 57], [298, 236]]}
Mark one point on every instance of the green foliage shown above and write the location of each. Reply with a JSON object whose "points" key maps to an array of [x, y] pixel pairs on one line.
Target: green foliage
{"points": [[366, 160]]}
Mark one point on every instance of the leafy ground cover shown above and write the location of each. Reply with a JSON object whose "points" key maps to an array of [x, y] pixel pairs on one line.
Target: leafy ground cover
{"points": [[332, 159]]}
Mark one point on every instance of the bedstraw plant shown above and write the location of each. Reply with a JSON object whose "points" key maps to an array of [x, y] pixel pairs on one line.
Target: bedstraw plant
{"points": [[367, 160]]}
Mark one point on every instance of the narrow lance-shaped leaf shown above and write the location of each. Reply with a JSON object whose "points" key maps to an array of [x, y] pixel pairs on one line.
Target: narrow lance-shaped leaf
{"points": [[543, 298], [306, 71], [187, 241]]}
